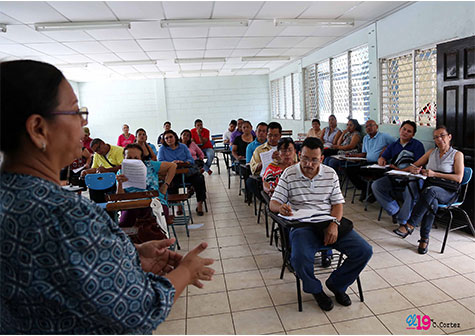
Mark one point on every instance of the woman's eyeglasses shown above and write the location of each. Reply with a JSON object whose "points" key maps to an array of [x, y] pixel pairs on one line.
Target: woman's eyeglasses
{"points": [[440, 136], [83, 112]]}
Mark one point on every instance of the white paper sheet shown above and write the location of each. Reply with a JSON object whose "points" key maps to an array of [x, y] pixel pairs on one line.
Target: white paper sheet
{"points": [[404, 173], [375, 166], [308, 216], [266, 159], [136, 172], [78, 169]]}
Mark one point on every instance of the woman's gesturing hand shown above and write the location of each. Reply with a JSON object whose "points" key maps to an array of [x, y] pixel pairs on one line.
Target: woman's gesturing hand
{"points": [[197, 266]]}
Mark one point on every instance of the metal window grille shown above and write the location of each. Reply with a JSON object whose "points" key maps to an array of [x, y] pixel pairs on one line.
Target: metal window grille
{"points": [[274, 98], [359, 64], [397, 89], [339, 75], [296, 96], [288, 97], [310, 89], [426, 87], [281, 90], [324, 90]]}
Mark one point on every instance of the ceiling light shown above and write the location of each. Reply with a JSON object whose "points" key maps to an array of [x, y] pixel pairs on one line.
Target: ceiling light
{"points": [[3, 28], [124, 63], [249, 69], [265, 58], [200, 60], [197, 72], [314, 22], [72, 65], [85, 25], [203, 23]]}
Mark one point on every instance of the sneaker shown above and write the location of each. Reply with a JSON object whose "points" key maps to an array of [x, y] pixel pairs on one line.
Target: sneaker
{"points": [[323, 301], [340, 297]]}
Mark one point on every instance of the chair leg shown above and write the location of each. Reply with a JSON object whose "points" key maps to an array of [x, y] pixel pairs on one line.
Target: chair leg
{"points": [[272, 232], [360, 289], [368, 188], [353, 198], [229, 178], [206, 206], [189, 210], [447, 230], [255, 204], [259, 212], [267, 221], [217, 162], [299, 294], [176, 237], [380, 213]]}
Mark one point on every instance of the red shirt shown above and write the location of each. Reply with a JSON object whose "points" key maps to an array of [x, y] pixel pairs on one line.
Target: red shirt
{"points": [[122, 141], [87, 144], [204, 135]]}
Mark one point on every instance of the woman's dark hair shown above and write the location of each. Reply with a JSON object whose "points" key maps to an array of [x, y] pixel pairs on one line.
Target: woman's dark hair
{"points": [[167, 122], [357, 125], [313, 143], [134, 146], [198, 121], [177, 140], [189, 132], [442, 127], [247, 122], [285, 143], [331, 115], [316, 120], [411, 123], [137, 132], [26, 88]]}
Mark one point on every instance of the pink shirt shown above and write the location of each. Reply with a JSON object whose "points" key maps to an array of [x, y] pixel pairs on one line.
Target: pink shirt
{"points": [[122, 141], [195, 151]]}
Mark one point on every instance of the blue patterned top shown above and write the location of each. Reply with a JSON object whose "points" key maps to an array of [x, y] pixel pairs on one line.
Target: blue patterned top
{"points": [[152, 181], [66, 267]]}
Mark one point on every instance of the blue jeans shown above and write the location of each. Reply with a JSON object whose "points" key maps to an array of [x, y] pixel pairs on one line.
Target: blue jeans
{"points": [[382, 191], [332, 162], [430, 196], [209, 152], [306, 242]]}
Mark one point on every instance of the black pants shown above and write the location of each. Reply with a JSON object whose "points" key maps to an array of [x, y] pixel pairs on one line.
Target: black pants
{"points": [[196, 180]]}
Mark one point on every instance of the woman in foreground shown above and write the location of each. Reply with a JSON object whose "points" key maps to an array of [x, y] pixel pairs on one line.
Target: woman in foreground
{"points": [[65, 266]]}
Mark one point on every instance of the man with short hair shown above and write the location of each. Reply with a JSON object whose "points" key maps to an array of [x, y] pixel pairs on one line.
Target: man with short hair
{"points": [[400, 154], [274, 133], [166, 126], [227, 134], [202, 138], [107, 158], [261, 132], [374, 144], [312, 185]]}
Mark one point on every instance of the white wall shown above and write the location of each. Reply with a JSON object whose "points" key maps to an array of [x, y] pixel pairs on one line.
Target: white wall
{"points": [[149, 103], [419, 25]]}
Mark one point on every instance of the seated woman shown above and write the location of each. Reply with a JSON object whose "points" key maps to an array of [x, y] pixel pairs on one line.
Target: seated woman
{"points": [[196, 152], [125, 138], [240, 142], [154, 169], [174, 151], [330, 134], [348, 143], [315, 131], [443, 161], [287, 157], [141, 140], [75, 271]]}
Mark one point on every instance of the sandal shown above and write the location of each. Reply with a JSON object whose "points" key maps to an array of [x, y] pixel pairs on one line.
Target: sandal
{"points": [[403, 234], [423, 250]]}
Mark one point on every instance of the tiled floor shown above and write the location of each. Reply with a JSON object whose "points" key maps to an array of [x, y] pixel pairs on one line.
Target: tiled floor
{"points": [[246, 295]]}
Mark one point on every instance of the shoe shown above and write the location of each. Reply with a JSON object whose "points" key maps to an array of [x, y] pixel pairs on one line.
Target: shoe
{"points": [[210, 172], [200, 213], [423, 250], [323, 301], [403, 234], [179, 212], [340, 297], [394, 218], [327, 261]]}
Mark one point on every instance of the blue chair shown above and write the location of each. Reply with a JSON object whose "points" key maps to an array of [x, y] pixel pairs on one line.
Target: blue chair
{"points": [[450, 208], [102, 181]]}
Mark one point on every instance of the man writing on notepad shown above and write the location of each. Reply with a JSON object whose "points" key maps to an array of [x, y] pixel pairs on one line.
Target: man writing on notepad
{"points": [[312, 185]]}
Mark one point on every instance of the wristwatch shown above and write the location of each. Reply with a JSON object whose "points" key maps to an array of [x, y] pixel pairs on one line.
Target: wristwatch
{"points": [[336, 221]]}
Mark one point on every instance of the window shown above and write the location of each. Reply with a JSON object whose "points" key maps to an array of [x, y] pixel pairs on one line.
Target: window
{"points": [[285, 97], [340, 86], [409, 88]]}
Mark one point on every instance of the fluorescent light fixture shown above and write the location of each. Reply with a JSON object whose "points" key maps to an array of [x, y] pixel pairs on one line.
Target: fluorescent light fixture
{"points": [[314, 22], [84, 25], [3, 28], [249, 69], [72, 65], [200, 60], [204, 23], [265, 58], [123, 63], [198, 72]]}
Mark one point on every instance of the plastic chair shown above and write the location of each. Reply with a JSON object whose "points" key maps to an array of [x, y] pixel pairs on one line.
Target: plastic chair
{"points": [[102, 181], [450, 208]]}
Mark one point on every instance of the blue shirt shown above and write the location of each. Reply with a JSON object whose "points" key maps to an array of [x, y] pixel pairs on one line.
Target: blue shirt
{"points": [[154, 149], [67, 268], [401, 156], [251, 148], [181, 153], [373, 146]]}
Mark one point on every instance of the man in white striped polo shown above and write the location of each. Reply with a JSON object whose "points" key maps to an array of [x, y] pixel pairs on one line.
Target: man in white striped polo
{"points": [[312, 185]]}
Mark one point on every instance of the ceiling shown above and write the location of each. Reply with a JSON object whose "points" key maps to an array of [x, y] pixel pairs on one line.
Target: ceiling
{"points": [[146, 40]]}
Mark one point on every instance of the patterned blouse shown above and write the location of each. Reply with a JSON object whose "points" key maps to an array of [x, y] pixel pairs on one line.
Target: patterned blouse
{"points": [[67, 268], [272, 174]]}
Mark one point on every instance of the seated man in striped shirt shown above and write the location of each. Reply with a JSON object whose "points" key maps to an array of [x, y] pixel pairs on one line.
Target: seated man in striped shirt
{"points": [[312, 185]]}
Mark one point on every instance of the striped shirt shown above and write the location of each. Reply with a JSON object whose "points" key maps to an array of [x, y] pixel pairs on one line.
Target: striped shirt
{"points": [[300, 192]]}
